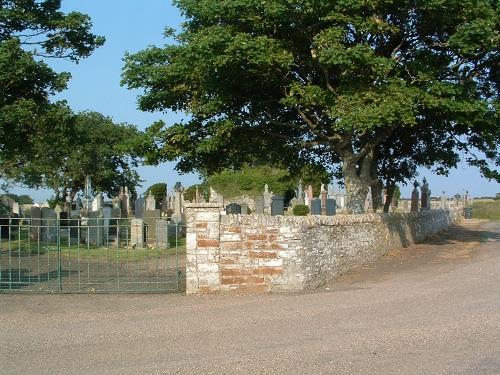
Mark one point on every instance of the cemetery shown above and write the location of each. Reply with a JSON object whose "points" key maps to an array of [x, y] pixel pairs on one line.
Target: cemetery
{"points": [[242, 244]]}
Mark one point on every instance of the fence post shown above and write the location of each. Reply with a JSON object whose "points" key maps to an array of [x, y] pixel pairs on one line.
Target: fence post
{"points": [[58, 240]]}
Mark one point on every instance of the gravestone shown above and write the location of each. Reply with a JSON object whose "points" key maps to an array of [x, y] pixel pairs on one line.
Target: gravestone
{"points": [[331, 207], [268, 197], [414, 198], [324, 197], [425, 201], [126, 203], [49, 225], [36, 222], [277, 206], [316, 206], [299, 199], [150, 202], [310, 195], [162, 233], [244, 209], [137, 233], [98, 202], [139, 206], [233, 209], [150, 218], [93, 232], [177, 216], [87, 196], [259, 205]]}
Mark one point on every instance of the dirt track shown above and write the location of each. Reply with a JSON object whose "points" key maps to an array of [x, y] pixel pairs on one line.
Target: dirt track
{"points": [[430, 309]]}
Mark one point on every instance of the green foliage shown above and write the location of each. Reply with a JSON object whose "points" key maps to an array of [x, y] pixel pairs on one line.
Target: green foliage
{"points": [[203, 190], [381, 86], [29, 31], [158, 190], [84, 144], [486, 210], [301, 210], [251, 180], [21, 199]]}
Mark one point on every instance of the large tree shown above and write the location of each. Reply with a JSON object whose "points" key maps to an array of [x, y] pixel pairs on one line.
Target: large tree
{"points": [[31, 31], [87, 143], [295, 81]]}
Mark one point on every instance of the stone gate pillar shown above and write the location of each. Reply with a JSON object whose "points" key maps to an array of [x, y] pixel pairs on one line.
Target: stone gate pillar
{"points": [[202, 247]]}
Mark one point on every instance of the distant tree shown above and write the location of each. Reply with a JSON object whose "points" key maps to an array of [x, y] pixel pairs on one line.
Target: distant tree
{"points": [[21, 199], [84, 144], [250, 180], [203, 191], [158, 190]]}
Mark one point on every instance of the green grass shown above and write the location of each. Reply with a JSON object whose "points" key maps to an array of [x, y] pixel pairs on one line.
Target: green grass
{"points": [[486, 210], [24, 248]]}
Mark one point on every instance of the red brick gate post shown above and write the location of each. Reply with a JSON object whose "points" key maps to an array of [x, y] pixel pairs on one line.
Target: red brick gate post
{"points": [[202, 247]]}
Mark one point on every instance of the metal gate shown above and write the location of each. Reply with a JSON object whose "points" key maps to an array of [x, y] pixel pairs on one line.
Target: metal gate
{"points": [[99, 255]]}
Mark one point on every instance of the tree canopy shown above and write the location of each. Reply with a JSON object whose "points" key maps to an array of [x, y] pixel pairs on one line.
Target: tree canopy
{"points": [[87, 143], [367, 85], [30, 31], [158, 190]]}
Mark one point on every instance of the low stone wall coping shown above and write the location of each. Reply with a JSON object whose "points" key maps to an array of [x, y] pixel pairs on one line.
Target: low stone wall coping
{"points": [[317, 220]]}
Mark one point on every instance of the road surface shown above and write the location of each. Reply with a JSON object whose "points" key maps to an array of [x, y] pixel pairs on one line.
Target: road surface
{"points": [[433, 308]]}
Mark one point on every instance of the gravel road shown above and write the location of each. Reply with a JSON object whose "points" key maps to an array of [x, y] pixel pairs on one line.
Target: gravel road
{"points": [[433, 308]]}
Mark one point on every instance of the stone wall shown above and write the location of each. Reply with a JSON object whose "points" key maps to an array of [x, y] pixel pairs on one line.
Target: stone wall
{"points": [[260, 253]]}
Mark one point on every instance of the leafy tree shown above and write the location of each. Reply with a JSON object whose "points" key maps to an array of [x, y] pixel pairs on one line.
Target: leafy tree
{"points": [[84, 144], [21, 199], [203, 191], [31, 30], [301, 81], [158, 190], [250, 180]]}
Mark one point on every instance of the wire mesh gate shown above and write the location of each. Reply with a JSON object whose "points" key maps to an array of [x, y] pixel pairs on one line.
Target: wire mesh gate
{"points": [[95, 255]]}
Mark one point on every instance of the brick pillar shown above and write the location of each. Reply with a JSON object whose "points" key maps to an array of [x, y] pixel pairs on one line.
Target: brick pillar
{"points": [[202, 247]]}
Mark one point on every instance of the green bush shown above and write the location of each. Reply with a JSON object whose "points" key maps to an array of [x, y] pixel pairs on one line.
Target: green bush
{"points": [[301, 210]]}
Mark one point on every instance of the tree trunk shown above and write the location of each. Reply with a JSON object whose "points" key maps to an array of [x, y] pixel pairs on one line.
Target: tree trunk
{"points": [[391, 188], [359, 173], [356, 192], [376, 189]]}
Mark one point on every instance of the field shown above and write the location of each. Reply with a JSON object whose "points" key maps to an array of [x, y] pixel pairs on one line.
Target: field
{"points": [[486, 209]]}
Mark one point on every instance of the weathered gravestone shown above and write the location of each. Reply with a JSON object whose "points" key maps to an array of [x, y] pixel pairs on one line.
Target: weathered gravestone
{"points": [[259, 205], [35, 223], [316, 206], [414, 197], [139, 206], [268, 198], [162, 233], [331, 207], [49, 225], [233, 209], [425, 201], [277, 206], [93, 229], [150, 219], [137, 233], [150, 202], [244, 209]]}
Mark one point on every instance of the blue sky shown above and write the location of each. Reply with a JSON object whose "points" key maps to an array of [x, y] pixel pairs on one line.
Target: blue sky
{"points": [[131, 25]]}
